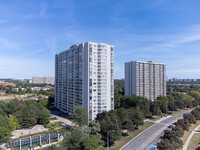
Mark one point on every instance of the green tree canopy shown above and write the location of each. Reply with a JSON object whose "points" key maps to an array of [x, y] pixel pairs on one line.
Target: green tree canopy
{"points": [[73, 140], [4, 120], [92, 142], [4, 134], [14, 124], [80, 115]]}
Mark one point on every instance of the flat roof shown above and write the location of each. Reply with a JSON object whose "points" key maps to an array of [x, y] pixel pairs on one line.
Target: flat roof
{"points": [[76, 45], [146, 62]]}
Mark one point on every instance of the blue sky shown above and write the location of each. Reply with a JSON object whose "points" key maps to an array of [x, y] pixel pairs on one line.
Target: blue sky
{"points": [[32, 31]]}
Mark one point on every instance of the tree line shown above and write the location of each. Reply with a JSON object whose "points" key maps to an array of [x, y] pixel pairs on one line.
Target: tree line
{"points": [[129, 115], [10, 90], [171, 139], [132, 110], [22, 114]]}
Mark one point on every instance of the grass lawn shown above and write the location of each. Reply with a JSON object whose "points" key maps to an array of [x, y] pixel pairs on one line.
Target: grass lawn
{"points": [[124, 140], [194, 143], [180, 111], [185, 136], [13, 96], [187, 133], [193, 126], [54, 125], [5, 97]]}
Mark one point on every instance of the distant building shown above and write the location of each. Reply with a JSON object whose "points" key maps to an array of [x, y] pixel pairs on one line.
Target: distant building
{"points": [[3, 92], [147, 79], [84, 76], [46, 80], [4, 84]]}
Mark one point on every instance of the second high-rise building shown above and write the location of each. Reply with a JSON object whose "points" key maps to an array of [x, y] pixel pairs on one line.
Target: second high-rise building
{"points": [[84, 76], [147, 79]]}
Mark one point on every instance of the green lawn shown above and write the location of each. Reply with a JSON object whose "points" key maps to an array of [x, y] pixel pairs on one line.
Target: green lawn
{"points": [[194, 143], [12, 96], [124, 140], [54, 125]]}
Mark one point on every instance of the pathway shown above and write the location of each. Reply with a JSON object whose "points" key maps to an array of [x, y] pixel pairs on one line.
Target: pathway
{"points": [[185, 146]]}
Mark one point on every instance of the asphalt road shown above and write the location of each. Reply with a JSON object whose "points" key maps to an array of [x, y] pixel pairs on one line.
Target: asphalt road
{"points": [[151, 135]]}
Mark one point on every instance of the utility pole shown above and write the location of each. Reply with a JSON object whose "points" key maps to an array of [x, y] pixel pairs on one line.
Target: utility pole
{"points": [[108, 140]]}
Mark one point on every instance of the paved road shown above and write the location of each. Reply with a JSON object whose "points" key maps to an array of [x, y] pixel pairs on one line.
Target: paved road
{"points": [[151, 135]]}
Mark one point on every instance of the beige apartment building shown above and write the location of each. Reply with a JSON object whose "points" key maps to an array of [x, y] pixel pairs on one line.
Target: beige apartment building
{"points": [[46, 80]]}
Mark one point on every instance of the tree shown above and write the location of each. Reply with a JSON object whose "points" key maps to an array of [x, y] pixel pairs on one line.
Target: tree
{"points": [[177, 143], [165, 144], [13, 106], [117, 97], [14, 124], [189, 118], [129, 125], [164, 109], [179, 131], [73, 141], [4, 120], [195, 94], [28, 116], [182, 124], [187, 97], [4, 134], [94, 127], [101, 116], [173, 137], [196, 113], [188, 103], [123, 115], [44, 116], [172, 107], [195, 103], [85, 130], [53, 147], [44, 102], [92, 142], [80, 115], [113, 130], [110, 129], [136, 117], [180, 104]]}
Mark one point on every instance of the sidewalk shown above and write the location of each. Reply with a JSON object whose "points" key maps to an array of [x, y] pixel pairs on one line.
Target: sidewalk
{"points": [[185, 146]]}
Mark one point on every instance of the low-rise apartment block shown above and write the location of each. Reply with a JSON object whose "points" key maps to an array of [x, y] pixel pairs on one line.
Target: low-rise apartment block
{"points": [[46, 80]]}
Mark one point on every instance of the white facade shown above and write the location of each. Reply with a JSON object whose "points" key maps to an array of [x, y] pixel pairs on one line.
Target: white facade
{"points": [[84, 76], [147, 79]]}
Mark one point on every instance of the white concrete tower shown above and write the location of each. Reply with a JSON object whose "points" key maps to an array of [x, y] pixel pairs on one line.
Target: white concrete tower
{"points": [[84, 76]]}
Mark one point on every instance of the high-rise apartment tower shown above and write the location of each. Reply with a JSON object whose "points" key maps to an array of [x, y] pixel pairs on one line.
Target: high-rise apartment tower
{"points": [[147, 79], [84, 76]]}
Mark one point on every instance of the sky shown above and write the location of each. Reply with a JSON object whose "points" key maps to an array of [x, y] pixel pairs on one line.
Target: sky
{"points": [[33, 31]]}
